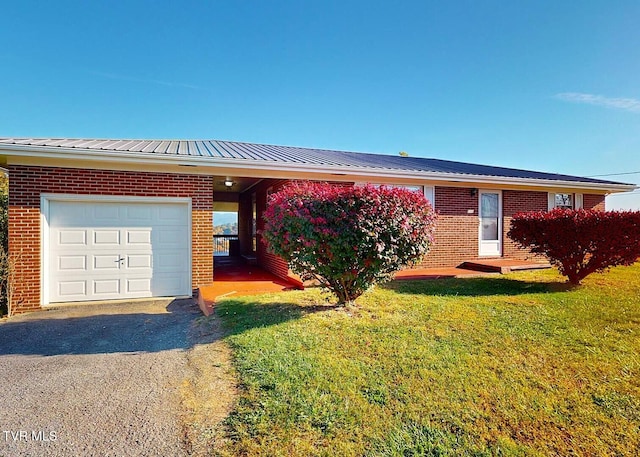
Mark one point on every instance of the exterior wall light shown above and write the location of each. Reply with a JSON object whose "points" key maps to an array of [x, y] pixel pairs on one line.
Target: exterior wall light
{"points": [[228, 182]]}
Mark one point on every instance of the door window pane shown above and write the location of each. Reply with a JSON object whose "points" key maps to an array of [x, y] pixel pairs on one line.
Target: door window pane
{"points": [[489, 215], [489, 205], [489, 229]]}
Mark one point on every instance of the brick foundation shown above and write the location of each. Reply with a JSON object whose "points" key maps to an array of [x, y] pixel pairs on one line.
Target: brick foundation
{"points": [[27, 183]]}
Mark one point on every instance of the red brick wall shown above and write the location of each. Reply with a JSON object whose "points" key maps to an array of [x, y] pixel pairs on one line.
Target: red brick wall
{"points": [[515, 201], [456, 237], [592, 201], [27, 183], [457, 229], [270, 262]]}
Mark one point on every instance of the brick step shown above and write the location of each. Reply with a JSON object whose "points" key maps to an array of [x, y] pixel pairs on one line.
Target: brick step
{"points": [[503, 265]]}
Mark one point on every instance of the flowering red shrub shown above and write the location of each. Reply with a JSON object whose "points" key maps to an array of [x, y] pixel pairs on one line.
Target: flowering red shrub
{"points": [[348, 238], [580, 242]]}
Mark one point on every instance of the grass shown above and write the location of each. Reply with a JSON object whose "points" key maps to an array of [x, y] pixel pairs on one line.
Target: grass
{"points": [[509, 365]]}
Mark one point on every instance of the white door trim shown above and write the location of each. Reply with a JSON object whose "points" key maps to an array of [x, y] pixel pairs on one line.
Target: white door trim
{"points": [[46, 199], [497, 251]]}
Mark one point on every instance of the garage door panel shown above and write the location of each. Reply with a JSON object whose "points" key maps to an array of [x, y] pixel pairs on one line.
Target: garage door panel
{"points": [[139, 237], [105, 213], [172, 213], [137, 212], [107, 250], [72, 237], [73, 289], [66, 214], [106, 262], [138, 285], [170, 261], [173, 237], [138, 261], [108, 237], [163, 283], [106, 286], [72, 263]]}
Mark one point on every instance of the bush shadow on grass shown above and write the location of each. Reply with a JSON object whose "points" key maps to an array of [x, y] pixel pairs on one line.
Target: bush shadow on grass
{"points": [[476, 287], [239, 316]]}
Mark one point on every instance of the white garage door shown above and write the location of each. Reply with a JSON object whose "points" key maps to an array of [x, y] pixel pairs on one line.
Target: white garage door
{"points": [[114, 250]]}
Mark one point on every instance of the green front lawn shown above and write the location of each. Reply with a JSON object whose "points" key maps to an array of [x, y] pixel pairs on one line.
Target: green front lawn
{"points": [[508, 365]]}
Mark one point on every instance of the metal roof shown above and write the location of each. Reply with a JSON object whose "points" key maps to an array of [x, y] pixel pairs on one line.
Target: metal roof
{"points": [[264, 153]]}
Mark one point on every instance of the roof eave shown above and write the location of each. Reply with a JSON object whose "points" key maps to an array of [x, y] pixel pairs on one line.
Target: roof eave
{"points": [[244, 164]]}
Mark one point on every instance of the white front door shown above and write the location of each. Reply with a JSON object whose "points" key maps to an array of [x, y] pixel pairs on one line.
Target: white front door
{"points": [[101, 250], [490, 222]]}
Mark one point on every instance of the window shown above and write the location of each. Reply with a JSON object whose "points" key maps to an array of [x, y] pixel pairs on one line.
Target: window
{"points": [[564, 200], [428, 191], [411, 188]]}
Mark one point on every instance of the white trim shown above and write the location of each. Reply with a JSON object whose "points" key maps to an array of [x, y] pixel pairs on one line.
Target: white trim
{"points": [[578, 201], [44, 250], [114, 198], [279, 170], [430, 194], [500, 222], [551, 200], [45, 200]]}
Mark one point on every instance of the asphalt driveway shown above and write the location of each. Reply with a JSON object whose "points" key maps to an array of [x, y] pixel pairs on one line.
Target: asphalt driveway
{"points": [[95, 380]]}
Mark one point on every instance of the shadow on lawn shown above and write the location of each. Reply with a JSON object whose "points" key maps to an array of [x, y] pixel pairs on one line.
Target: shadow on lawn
{"points": [[242, 315], [239, 316], [475, 287]]}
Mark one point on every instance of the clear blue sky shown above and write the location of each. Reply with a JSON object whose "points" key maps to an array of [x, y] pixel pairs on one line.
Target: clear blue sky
{"points": [[542, 85]]}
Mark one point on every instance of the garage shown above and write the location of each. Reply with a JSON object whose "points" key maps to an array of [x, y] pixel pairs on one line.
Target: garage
{"points": [[105, 248]]}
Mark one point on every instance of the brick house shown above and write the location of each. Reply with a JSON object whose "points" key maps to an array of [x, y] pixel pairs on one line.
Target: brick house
{"points": [[121, 219]]}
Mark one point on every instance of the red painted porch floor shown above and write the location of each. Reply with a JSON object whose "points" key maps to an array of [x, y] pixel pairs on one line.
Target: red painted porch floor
{"points": [[234, 279], [237, 280]]}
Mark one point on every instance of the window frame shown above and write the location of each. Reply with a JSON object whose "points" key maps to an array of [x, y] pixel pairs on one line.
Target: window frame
{"points": [[576, 200], [428, 191]]}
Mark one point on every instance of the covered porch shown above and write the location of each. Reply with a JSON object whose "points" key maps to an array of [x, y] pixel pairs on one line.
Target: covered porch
{"points": [[235, 276], [241, 264]]}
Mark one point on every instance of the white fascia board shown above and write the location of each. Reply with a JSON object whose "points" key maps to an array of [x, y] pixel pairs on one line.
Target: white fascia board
{"points": [[294, 170]]}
